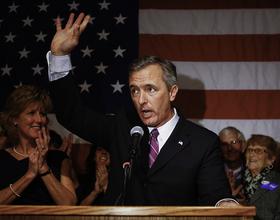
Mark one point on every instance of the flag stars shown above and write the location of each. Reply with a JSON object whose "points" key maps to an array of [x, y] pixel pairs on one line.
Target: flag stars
{"points": [[40, 36], [104, 5], [6, 70], [87, 52], [23, 53], [117, 87], [43, 7], [13, 7], [27, 21], [101, 68], [103, 35], [37, 69], [20, 84], [91, 20], [85, 86], [10, 37], [54, 19], [120, 19], [73, 6], [119, 52]]}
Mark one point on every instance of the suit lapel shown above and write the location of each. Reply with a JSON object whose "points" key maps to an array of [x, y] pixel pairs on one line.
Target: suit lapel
{"points": [[176, 142]]}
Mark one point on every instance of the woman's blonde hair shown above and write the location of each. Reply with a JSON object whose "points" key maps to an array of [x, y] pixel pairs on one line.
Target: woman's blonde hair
{"points": [[17, 103]]}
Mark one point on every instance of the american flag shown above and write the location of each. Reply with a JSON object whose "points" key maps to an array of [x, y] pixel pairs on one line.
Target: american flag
{"points": [[227, 54], [100, 61]]}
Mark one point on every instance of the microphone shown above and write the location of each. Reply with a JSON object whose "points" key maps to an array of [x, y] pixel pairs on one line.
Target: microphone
{"points": [[136, 133]]}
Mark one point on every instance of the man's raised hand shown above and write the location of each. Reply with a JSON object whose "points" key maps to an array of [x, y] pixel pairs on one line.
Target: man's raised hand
{"points": [[65, 40]]}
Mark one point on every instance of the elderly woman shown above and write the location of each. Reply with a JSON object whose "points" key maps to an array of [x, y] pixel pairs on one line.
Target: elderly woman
{"points": [[29, 173], [261, 183]]}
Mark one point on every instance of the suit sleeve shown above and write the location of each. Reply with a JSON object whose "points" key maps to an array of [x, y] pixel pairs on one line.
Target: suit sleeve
{"points": [[212, 182], [72, 114]]}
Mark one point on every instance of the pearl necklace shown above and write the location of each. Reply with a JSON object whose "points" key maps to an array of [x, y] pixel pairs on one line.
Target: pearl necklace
{"points": [[19, 153]]}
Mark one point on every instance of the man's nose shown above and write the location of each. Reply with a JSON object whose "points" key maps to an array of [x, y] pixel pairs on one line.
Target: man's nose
{"points": [[142, 98]]}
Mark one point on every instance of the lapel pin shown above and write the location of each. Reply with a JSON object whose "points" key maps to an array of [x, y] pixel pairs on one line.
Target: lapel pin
{"points": [[180, 142]]}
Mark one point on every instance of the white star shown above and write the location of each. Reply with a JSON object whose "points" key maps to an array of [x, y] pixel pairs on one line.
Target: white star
{"points": [[23, 53], [103, 35], [104, 5], [87, 52], [85, 86], [73, 6], [27, 21], [120, 19], [6, 70], [20, 84], [13, 8], [117, 87], [101, 68], [37, 69], [91, 19], [119, 52], [43, 7], [40, 36], [61, 19], [10, 37]]}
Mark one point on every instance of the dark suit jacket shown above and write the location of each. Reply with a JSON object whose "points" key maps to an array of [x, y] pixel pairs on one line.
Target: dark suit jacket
{"points": [[188, 171], [267, 201]]}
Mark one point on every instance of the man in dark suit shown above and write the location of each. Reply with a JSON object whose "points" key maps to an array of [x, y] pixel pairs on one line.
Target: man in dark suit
{"points": [[188, 169]]}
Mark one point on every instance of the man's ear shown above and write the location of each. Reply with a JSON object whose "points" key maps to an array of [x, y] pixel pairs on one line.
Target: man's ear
{"points": [[173, 92], [243, 146]]}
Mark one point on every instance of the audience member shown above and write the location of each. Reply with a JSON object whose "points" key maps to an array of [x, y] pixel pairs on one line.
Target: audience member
{"points": [[233, 145], [3, 140], [261, 182], [65, 145], [94, 183], [188, 169], [29, 173]]}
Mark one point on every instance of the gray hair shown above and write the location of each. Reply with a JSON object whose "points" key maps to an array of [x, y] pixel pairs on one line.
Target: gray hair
{"points": [[232, 130], [168, 68]]}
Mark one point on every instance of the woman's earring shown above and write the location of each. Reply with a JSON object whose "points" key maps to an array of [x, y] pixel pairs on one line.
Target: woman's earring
{"points": [[15, 124], [270, 166]]}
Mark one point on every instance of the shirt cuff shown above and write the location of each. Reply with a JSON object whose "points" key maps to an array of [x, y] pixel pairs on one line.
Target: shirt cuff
{"points": [[226, 200], [58, 66]]}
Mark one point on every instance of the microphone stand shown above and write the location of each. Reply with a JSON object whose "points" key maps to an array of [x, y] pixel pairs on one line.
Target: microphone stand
{"points": [[127, 172]]}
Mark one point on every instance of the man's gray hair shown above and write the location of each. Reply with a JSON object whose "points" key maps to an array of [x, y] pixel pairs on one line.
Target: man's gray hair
{"points": [[232, 130], [169, 69]]}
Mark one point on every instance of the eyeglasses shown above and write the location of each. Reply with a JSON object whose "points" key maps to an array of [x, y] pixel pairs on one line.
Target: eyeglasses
{"points": [[231, 143], [257, 151]]}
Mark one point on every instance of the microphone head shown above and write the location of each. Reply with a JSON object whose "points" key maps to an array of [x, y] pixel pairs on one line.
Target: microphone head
{"points": [[136, 129]]}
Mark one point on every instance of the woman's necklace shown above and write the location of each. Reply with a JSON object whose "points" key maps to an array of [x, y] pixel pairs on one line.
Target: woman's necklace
{"points": [[19, 153]]}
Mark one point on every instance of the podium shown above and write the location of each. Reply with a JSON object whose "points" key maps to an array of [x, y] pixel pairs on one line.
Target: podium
{"points": [[13, 212]]}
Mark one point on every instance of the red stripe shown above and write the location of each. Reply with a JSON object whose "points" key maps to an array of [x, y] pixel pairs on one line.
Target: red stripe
{"points": [[229, 104], [211, 47], [207, 4]]}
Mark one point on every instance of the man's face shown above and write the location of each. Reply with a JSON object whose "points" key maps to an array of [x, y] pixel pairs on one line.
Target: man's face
{"points": [[151, 97], [232, 148]]}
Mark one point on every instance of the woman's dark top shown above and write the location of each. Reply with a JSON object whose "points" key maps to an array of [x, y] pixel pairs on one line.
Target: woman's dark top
{"points": [[87, 184], [36, 193]]}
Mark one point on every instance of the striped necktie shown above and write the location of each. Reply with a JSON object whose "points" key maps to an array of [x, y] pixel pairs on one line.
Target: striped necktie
{"points": [[153, 147]]}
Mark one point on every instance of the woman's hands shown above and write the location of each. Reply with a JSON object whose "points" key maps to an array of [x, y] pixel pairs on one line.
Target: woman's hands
{"points": [[236, 192], [37, 159], [102, 177]]}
